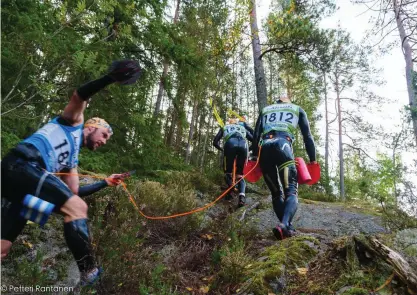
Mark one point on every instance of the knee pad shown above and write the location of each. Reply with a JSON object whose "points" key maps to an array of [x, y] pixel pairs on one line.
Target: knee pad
{"points": [[78, 240]]}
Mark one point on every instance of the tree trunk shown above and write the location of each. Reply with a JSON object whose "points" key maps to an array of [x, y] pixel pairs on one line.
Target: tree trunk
{"points": [[326, 143], [205, 143], [401, 267], [260, 82], [341, 162], [171, 132], [408, 67], [164, 72], [166, 124], [191, 133], [160, 90], [180, 128]]}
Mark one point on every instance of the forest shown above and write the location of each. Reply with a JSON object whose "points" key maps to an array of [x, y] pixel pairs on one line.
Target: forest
{"points": [[203, 60]]}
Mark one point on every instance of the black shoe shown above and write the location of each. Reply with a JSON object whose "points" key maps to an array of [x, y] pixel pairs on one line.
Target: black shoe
{"points": [[242, 201], [291, 231], [280, 231]]}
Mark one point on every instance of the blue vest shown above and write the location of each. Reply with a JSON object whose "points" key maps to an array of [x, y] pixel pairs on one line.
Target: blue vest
{"points": [[58, 144], [231, 129]]}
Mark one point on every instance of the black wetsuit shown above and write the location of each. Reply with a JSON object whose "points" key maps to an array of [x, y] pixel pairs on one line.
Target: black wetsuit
{"points": [[235, 149], [21, 172], [27, 170], [24, 172], [274, 131]]}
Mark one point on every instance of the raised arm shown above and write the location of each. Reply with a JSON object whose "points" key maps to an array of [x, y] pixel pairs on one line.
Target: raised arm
{"points": [[124, 72], [248, 128], [257, 135], [307, 137], [217, 138], [249, 132]]}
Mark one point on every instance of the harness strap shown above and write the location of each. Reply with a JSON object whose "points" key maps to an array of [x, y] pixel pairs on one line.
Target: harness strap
{"points": [[40, 183]]}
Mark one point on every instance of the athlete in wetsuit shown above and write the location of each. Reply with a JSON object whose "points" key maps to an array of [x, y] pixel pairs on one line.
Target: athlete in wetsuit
{"points": [[234, 135], [274, 131], [26, 171]]}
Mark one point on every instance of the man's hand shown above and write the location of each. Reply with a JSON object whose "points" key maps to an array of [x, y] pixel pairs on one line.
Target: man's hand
{"points": [[125, 72], [114, 179]]}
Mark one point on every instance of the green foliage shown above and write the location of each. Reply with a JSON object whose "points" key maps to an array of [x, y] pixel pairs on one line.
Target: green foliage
{"points": [[8, 141], [289, 255], [397, 218], [31, 273], [49, 48], [355, 291], [156, 285], [232, 260], [311, 194], [372, 182]]}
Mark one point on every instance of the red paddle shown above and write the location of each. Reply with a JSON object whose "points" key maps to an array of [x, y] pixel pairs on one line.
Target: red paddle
{"points": [[255, 175], [314, 169]]}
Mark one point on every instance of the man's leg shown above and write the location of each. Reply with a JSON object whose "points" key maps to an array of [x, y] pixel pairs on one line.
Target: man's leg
{"points": [[76, 231], [272, 180], [280, 177], [288, 176], [11, 226], [14, 186], [228, 162], [56, 192], [242, 155], [77, 236]]}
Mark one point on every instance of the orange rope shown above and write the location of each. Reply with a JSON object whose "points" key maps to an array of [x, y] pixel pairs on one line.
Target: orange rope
{"points": [[234, 172], [132, 200]]}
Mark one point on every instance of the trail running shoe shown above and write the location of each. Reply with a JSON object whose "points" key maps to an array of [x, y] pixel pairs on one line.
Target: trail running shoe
{"points": [[291, 231], [90, 278], [280, 231]]}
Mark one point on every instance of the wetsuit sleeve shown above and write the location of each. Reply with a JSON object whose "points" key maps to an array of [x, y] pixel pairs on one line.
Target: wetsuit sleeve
{"points": [[257, 134], [89, 189], [90, 88], [307, 137], [123, 71], [249, 132], [248, 128], [217, 138]]}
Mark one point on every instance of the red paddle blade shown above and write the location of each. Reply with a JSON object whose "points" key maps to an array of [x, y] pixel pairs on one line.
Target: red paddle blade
{"points": [[314, 169], [303, 175], [255, 175]]}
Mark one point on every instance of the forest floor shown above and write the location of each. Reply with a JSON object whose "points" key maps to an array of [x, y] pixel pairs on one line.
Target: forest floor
{"points": [[223, 250]]}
